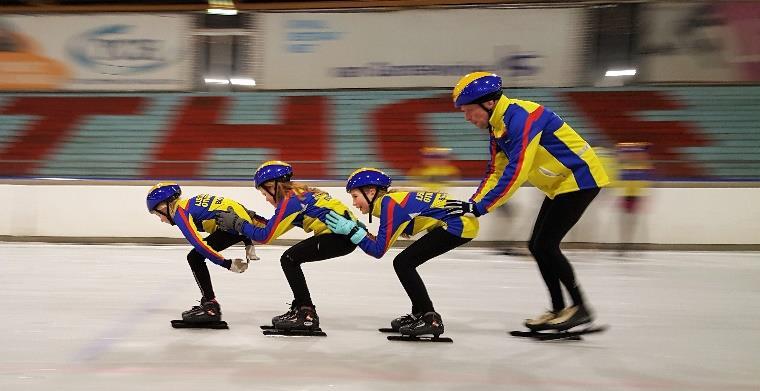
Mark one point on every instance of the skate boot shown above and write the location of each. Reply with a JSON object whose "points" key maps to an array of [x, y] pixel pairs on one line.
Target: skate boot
{"points": [[429, 323], [305, 318], [404, 320], [570, 317], [293, 309], [209, 311], [539, 323]]}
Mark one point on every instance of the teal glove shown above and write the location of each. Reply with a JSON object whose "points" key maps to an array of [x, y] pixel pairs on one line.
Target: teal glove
{"points": [[343, 226]]}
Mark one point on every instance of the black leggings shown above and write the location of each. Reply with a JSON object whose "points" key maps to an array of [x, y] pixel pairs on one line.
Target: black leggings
{"points": [[554, 221], [315, 248], [433, 244], [218, 240]]}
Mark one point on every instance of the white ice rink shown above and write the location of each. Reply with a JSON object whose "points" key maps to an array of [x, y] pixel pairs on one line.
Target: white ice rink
{"points": [[96, 317]]}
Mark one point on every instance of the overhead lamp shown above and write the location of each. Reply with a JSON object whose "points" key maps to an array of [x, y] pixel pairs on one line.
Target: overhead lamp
{"points": [[221, 7], [620, 72]]}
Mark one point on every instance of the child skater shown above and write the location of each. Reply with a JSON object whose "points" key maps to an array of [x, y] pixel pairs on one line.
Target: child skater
{"points": [[407, 213], [193, 216], [296, 205]]}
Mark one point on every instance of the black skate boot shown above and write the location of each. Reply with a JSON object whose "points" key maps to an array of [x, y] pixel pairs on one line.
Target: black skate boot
{"points": [[407, 319], [209, 311], [429, 323], [570, 317], [207, 315], [305, 318], [293, 309]]}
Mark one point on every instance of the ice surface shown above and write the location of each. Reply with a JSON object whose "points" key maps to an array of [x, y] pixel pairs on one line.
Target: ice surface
{"points": [[96, 317]]}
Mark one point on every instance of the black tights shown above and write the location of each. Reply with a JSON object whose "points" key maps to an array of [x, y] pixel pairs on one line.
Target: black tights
{"points": [[315, 248], [433, 244], [218, 240], [555, 219]]}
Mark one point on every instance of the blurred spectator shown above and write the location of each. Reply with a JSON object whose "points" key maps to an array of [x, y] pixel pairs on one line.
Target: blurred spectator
{"points": [[633, 178], [436, 172]]}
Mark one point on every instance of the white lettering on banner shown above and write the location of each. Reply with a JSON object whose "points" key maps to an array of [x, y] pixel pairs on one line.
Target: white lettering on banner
{"points": [[126, 49]]}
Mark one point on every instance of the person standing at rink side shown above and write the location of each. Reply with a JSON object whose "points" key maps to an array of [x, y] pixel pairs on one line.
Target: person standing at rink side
{"points": [[404, 212], [296, 205], [529, 142], [195, 215]]}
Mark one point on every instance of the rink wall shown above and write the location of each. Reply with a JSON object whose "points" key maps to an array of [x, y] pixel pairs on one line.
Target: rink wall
{"points": [[671, 216]]}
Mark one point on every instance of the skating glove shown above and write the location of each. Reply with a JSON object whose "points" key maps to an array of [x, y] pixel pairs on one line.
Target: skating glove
{"points": [[229, 220], [250, 253], [238, 265], [343, 226], [461, 208]]}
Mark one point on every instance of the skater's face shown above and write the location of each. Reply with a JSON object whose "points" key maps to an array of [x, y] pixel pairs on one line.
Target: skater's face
{"points": [[267, 190], [161, 213], [359, 201], [475, 114]]}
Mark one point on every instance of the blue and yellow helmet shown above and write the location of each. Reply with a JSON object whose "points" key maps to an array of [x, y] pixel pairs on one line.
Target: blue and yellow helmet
{"points": [[271, 170], [367, 176], [476, 87], [162, 192]]}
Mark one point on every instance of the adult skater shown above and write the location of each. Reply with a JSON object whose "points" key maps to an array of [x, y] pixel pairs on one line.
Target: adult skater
{"points": [[529, 142]]}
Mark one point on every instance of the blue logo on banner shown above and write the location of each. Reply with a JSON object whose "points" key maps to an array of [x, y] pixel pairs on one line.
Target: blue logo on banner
{"points": [[112, 50], [304, 35]]}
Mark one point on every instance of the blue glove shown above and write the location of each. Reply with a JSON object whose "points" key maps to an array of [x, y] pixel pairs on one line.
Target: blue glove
{"points": [[343, 226], [461, 208]]}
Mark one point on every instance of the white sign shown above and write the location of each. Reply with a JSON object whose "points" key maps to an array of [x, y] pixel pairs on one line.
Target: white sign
{"points": [[96, 52], [420, 48], [702, 42]]}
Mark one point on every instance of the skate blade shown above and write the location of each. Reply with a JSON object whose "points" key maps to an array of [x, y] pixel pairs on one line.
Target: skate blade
{"points": [[571, 335], [387, 330], [270, 327], [181, 324], [418, 338], [295, 333]]}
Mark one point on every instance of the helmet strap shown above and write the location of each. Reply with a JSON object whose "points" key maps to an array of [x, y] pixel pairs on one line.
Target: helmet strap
{"points": [[167, 214], [370, 202], [273, 194]]}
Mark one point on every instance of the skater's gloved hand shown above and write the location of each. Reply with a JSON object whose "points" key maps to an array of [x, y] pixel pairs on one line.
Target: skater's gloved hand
{"points": [[252, 215], [343, 226], [250, 253], [238, 265], [461, 208], [229, 220]]}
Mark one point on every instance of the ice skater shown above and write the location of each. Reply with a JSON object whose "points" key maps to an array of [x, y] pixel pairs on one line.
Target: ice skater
{"points": [[193, 216], [296, 205], [530, 143], [405, 213]]}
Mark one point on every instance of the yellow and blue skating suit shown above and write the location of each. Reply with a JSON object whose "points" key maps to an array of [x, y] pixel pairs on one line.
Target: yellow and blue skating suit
{"points": [[195, 215], [531, 143], [304, 209], [404, 212]]}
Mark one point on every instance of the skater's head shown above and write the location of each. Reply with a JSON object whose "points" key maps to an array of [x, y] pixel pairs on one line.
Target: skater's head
{"points": [[476, 94], [365, 186], [268, 178], [161, 198]]}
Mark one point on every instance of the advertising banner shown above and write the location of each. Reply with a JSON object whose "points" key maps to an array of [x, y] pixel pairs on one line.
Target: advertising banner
{"points": [[420, 48], [701, 42], [95, 52]]}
